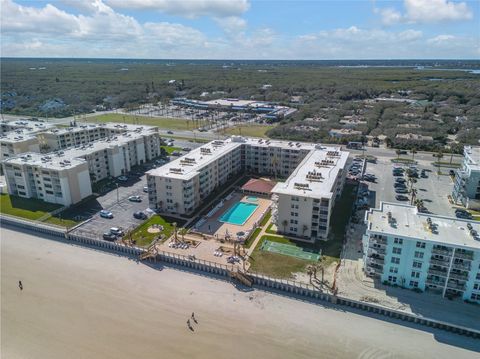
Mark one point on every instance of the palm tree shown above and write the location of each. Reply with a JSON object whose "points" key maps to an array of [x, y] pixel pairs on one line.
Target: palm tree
{"points": [[413, 151], [398, 152], [438, 155], [182, 232]]}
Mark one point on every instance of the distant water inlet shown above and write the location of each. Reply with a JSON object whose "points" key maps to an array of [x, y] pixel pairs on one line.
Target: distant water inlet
{"points": [[239, 213]]}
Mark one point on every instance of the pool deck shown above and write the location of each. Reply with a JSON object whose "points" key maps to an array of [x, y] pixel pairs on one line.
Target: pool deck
{"points": [[214, 227]]}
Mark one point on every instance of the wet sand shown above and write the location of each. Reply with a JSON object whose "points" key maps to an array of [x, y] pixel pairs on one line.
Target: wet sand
{"points": [[84, 303]]}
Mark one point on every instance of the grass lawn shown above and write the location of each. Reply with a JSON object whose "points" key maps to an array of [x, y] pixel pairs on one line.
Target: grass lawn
{"points": [[170, 149], [273, 264], [162, 122], [252, 238], [143, 238], [281, 266], [249, 130], [28, 208], [32, 209], [266, 218]]}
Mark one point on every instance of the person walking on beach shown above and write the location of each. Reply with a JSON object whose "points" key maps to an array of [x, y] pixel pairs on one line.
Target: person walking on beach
{"points": [[188, 323], [193, 315], [20, 285]]}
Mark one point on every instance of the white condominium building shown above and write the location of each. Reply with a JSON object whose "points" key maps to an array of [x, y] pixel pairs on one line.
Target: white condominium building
{"points": [[82, 134], [415, 250], [15, 142], [315, 174], [466, 189], [48, 178]]}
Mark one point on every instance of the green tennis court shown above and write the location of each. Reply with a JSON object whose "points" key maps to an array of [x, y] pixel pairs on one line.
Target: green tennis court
{"points": [[289, 250]]}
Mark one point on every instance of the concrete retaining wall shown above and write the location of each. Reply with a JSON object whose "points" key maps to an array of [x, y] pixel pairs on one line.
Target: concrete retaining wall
{"points": [[295, 288]]}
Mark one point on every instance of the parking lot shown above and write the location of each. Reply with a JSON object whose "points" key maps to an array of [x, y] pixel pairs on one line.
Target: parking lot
{"points": [[433, 189]]}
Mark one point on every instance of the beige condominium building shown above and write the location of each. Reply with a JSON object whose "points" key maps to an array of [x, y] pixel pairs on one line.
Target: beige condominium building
{"points": [[15, 142], [48, 178], [61, 138], [314, 177], [109, 157]]}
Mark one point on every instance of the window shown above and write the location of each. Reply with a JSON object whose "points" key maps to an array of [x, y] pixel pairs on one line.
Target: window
{"points": [[414, 283], [417, 264], [395, 260], [393, 270], [476, 286], [397, 250], [418, 254], [398, 240], [392, 279], [415, 274], [420, 244], [475, 296]]}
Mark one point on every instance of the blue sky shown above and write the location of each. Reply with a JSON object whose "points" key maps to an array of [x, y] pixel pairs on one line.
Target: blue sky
{"points": [[241, 29]]}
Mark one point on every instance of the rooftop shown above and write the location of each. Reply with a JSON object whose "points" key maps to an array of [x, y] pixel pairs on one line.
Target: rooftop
{"points": [[32, 126], [315, 176], [46, 161], [408, 222], [73, 153], [473, 153], [17, 136], [117, 127]]}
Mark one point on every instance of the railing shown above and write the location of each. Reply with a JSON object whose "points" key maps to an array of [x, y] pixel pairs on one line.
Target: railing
{"points": [[468, 256], [288, 286], [438, 272], [443, 252], [462, 266], [434, 282], [463, 277], [456, 286], [376, 260], [440, 263]]}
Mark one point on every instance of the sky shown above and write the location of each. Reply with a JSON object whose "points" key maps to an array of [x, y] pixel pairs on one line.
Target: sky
{"points": [[241, 29]]}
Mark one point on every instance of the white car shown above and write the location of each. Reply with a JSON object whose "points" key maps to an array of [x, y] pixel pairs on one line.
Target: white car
{"points": [[135, 199], [116, 231], [145, 189]]}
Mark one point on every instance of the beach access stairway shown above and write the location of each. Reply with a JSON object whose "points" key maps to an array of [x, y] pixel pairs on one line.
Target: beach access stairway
{"points": [[241, 277]]}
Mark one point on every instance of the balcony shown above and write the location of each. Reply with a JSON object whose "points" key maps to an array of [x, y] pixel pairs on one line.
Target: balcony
{"points": [[376, 250], [443, 252], [456, 286], [435, 282], [461, 266], [374, 270], [376, 260], [462, 277], [463, 255], [437, 272], [440, 262]]}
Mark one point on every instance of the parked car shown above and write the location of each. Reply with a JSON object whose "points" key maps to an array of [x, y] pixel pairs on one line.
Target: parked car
{"points": [[176, 153], [135, 199], [397, 174], [145, 189], [401, 197], [123, 178], [186, 149], [116, 231], [451, 173], [401, 190], [400, 180], [109, 236], [463, 215], [139, 215], [106, 214], [399, 185], [170, 132]]}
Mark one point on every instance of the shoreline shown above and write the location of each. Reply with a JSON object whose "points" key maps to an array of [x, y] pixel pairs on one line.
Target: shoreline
{"points": [[122, 309]]}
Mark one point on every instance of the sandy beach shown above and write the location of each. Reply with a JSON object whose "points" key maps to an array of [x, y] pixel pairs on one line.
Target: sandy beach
{"points": [[84, 303]]}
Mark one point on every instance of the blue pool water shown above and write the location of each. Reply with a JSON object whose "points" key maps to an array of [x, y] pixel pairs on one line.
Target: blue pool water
{"points": [[239, 213]]}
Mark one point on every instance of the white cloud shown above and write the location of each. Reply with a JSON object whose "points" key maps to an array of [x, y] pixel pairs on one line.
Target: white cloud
{"points": [[232, 24], [426, 11], [186, 8]]}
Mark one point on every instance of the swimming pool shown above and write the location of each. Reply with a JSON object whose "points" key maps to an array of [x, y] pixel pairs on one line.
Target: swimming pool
{"points": [[252, 198], [239, 213]]}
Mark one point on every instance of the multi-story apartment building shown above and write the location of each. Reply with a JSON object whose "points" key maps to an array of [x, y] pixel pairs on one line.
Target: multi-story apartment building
{"points": [[48, 177], [302, 205], [466, 189], [61, 138], [410, 249], [109, 157], [15, 142], [313, 173]]}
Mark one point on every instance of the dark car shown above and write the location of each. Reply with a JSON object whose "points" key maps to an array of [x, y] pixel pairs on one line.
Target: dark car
{"points": [[401, 190], [170, 132], [139, 215], [399, 185], [463, 215], [401, 197], [397, 173], [451, 173], [400, 180], [109, 236]]}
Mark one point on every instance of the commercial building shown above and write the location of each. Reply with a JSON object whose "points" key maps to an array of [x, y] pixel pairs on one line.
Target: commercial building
{"points": [[314, 175], [466, 190], [415, 250], [47, 177], [15, 142], [268, 110], [60, 138]]}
